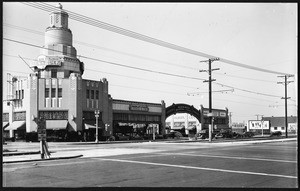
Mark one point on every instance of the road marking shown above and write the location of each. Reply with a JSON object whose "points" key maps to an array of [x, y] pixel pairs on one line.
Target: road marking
{"points": [[199, 168], [229, 157]]}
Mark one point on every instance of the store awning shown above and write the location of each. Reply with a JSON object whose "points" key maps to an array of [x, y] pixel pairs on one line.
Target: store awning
{"points": [[16, 125], [56, 124], [5, 124]]}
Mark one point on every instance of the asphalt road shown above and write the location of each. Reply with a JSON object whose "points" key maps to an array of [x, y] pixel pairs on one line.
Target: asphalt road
{"points": [[265, 165]]}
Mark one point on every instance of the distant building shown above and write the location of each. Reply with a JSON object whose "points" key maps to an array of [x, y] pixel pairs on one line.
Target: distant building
{"points": [[278, 124], [272, 124], [238, 127]]}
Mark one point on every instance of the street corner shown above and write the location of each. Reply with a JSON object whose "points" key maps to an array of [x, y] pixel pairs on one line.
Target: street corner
{"points": [[36, 157]]}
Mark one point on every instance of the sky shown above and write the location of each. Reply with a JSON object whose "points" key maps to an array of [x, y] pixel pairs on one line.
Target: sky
{"points": [[262, 35]]}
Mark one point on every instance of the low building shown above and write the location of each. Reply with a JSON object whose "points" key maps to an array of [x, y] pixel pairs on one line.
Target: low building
{"points": [[278, 124]]}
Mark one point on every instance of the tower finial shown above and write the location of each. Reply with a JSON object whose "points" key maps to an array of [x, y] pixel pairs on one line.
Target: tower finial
{"points": [[59, 6]]}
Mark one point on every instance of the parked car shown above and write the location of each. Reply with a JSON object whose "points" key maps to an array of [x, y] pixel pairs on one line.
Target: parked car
{"points": [[121, 137], [174, 134], [276, 133], [224, 134], [248, 134], [205, 135]]}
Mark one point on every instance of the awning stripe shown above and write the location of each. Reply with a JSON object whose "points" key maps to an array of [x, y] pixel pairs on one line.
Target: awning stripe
{"points": [[5, 124]]}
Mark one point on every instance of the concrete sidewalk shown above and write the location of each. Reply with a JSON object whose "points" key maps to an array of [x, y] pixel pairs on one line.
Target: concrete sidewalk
{"points": [[30, 156]]}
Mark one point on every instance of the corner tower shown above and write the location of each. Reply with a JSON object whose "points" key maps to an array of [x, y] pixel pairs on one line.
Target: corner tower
{"points": [[58, 53]]}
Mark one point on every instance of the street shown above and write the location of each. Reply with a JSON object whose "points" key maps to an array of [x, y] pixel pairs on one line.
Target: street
{"points": [[161, 164]]}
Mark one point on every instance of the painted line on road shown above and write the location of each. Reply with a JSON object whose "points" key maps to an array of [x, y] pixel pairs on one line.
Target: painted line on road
{"points": [[199, 168], [229, 157]]}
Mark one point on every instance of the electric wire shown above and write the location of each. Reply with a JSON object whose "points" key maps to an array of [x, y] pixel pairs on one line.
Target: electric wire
{"points": [[99, 47], [111, 63], [125, 32], [146, 70], [128, 54]]}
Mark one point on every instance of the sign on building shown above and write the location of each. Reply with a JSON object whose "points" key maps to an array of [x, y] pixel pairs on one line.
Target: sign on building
{"points": [[44, 61], [256, 124]]}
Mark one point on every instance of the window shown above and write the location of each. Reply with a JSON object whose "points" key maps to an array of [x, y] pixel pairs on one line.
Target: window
{"points": [[92, 94], [53, 92], [17, 95], [275, 128], [59, 92], [87, 94], [282, 128], [53, 73], [97, 94], [22, 94], [46, 92]]}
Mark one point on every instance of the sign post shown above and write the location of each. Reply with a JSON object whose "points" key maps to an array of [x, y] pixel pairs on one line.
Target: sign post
{"points": [[42, 136], [97, 115]]}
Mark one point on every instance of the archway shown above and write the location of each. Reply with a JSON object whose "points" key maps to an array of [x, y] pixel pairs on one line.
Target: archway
{"points": [[183, 108], [186, 129]]}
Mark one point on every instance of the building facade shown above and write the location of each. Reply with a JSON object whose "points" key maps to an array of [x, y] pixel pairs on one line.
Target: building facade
{"points": [[57, 93]]}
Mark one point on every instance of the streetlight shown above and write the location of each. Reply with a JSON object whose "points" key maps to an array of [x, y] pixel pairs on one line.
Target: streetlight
{"points": [[97, 115]]}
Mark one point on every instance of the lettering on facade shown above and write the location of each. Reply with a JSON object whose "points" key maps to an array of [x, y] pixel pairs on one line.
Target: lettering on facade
{"points": [[258, 124], [19, 116], [54, 115], [44, 61], [134, 107], [5, 117]]}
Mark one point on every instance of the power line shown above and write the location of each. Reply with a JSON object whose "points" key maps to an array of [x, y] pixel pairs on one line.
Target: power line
{"points": [[99, 47], [128, 54], [223, 85], [112, 63], [146, 70], [119, 75], [132, 34]]}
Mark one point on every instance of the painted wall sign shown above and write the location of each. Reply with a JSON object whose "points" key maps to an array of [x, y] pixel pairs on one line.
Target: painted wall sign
{"points": [[134, 107], [44, 61], [258, 124]]}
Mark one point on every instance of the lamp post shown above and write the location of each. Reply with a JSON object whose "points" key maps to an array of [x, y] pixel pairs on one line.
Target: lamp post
{"points": [[97, 115]]}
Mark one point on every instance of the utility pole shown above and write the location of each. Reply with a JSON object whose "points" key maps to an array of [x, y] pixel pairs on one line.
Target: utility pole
{"points": [[286, 98], [230, 121], [210, 92]]}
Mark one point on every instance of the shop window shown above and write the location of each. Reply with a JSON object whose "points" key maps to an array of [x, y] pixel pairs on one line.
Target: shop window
{"points": [[282, 128], [59, 92], [87, 94], [53, 73], [92, 94], [53, 92], [46, 92], [97, 94]]}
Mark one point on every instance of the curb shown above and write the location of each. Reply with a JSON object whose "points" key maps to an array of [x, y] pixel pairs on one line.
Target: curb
{"points": [[22, 153], [32, 160]]}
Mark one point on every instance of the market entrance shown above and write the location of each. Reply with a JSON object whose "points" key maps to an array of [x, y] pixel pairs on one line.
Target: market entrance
{"points": [[181, 123]]}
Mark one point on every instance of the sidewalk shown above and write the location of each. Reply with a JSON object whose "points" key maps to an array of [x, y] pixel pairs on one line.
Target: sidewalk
{"points": [[30, 156], [35, 156]]}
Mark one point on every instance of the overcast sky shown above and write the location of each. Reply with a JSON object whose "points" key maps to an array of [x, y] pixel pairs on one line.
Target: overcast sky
{"points": [[263, 35]]}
